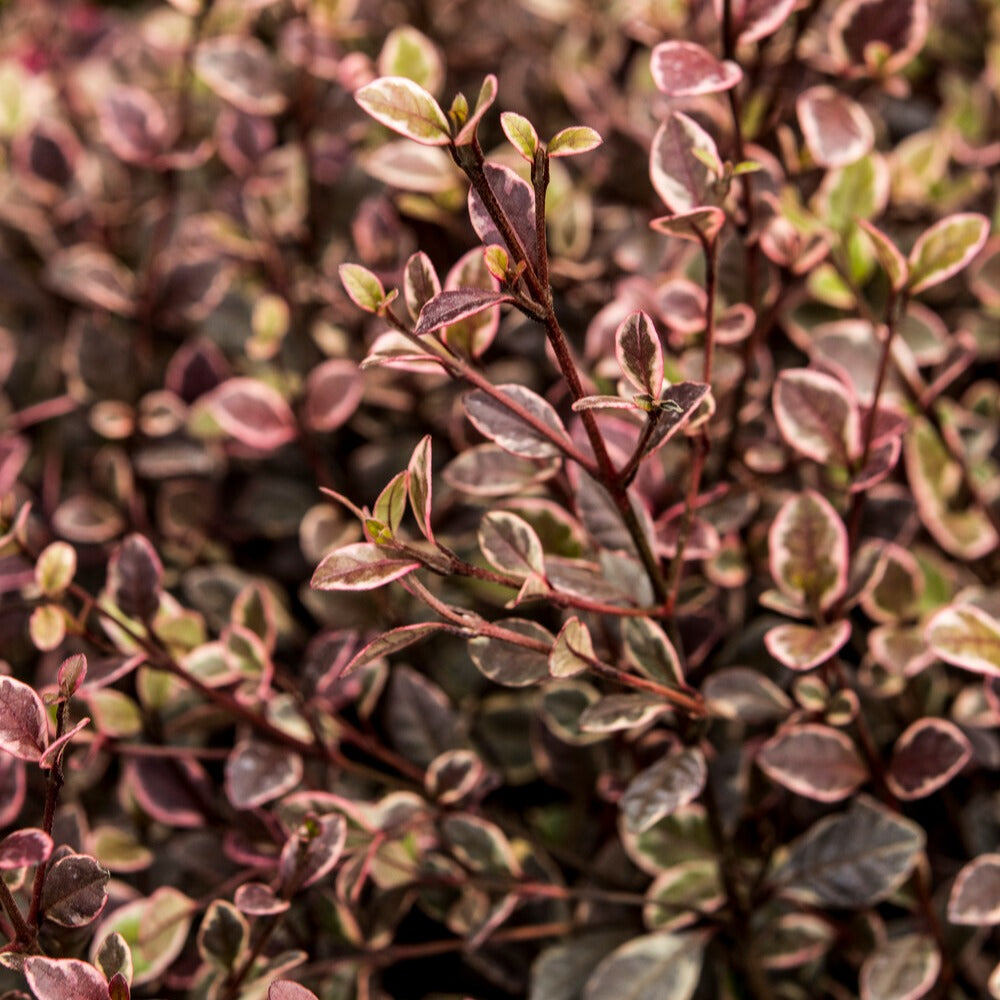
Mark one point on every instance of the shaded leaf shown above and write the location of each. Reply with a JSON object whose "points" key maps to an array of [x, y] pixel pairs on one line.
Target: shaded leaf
{"points": [[487, 470], [615, 712], [808, 550], [926, 757], [241, 70], [513, 427], [312, 851], [660, 966], [134, 125], [75, 890], [975, 896], [360, 566], [882, 33], [392, 641], [674, 409], [743, 693], [172, 792], [803, 647], [420, 283], [223, 935], [88, 274], [333, 392], [640, 354], [423, 722], [812, 760], [405, 107], [836, 129], [258, 772], [889, 256], [699, 226], [562, 969], [510, 544], [60, 978], [252, 412], [966, 636], [24, 728], [480, 845], [285, 989], [756, 19], [135, 574], [946, 248], [649, 650], [817, 416], [113, 958], [509, 663], [680, 176], [793, 940], [853, 859], [673, 781], [517, 197], [904, 968], [259, 900], [454, 305], [484, 101], [686, 69]]}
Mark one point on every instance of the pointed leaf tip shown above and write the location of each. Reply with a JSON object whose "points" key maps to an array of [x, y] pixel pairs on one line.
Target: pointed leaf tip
{"points": [[405, 107]]}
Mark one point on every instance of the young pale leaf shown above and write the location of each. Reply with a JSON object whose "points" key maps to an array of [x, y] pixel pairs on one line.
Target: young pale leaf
{"points": [[405, 107], [700, 226], [510, 544], [410, 53], [966, 636], [572, 651], [75, 890], [889, 256], [659, 966], [24, 728], [817, 416], [113, 958], [649, 650], [803, 647], [514, 425], [521, 133], [904, 968], [836, 129], [673, 781], [60, 978], [456, 304], [510, 663], [816, 761], [223, 935], [391, 503], [853, 859], [809, 551], [640, 354], [679, 176], [573, 140], [55, 568], [946, 248], [363, 288], [975, 896], [686, 69], [360, 566], [616, 712], [484, 101], [419, 486], [926, 757]]}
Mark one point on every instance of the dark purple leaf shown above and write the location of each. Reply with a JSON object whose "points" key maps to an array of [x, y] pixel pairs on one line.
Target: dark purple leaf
{"points": [[455, 305], [252, 412], [423, 722], [686, 69], [24, 727], [75, 890], [135, 574], [24, 848], [517, 198], [258, 772], [333, 392], [676, 406], [61, 978], [508, 428], [89, 274], [223, 935], [191, 285], [812, 760], [243, 139], [926, 757], [510, 663], [173, 792], [861, 29], [639, 353]]}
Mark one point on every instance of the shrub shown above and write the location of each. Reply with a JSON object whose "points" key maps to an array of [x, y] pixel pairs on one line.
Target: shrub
{"points": [[653, 633]]}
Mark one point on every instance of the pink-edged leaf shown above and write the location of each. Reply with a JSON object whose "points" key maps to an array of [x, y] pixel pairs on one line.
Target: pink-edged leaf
{"points": [[457, 304], [285, 989], [926, 757], [661, 789], [511, 663], [134, 125], [889, 255], [471, 337], [946, 248], [817, 416], [683, 180], [258, 772], [903, 968], [24, 727], [572, 651], [484, 101], [604, 403], [517, 197], [259, 900], [75, 890], [756, 19], [744, 693], [803, 647], [242, 71], [57, 747], [966, 636], [648, 649], [72, 673], [420, 283], [172, 792], [333, 392], [510, 544], [363, 287], [816, 761], [882, 459], [487, 470], [252, 412], [735, 324], [393, 641], [676, 406], [700, 226], [686, 69], [24, 848], [836, 129], [312, 851], [223, 935], [640, 354], [420, 486], [809, 550], [405, 107], [863, 32], [89, 274], [360, 566], [14, 452], [975, 896], [62, 978], [135, 576], [514, 427], [573, 140]]}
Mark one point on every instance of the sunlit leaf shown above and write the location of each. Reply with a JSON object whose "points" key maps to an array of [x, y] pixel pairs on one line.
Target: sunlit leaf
{"points": [[362, 286], [836, 129], [360, 566], [686, 69], [521, 133], [946, 248], [405, 107], [573, 140]]}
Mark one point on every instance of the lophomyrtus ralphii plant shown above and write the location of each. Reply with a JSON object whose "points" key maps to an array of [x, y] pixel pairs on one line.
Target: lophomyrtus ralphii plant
{"points": [[656, 654]]}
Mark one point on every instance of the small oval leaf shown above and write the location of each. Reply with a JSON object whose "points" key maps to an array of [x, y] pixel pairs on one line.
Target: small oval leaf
{"points": [[405, 107]]}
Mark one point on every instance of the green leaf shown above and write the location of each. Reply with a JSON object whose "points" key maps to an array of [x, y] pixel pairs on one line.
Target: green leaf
{"points": [[391, 503], [419, 486], [405, 107], [409, 53], [573, 141], [889, 255], [364, 288], [521, 133], [946, 248], [55, 568]]}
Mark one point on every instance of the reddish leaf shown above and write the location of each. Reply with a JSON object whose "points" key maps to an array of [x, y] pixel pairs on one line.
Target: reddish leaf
{"points": [[285, 989], [391, 642], [812, 760], [484, 101], [134, 125], [420, 283], [756, 19], [360, 566], [259, 900], [836, 129], [24, 727], [517, 197], [685, 69], [675, 407], [333, 392], [639, 353], [57, 747], [13, 788], [681, 178], [975, 896], [817, 416], [60, 978], [508, 428], [455, 305], [135, 574], [173, 792], [88, 274], [252, 412], [258, 772], [926, 757], [241, 70], [24, 848], [313, 850], [862, 30], [75, 890]]}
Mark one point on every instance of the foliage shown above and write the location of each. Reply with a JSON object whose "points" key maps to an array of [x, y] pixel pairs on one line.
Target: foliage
{"points": [[499, 505]]}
